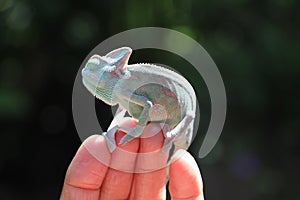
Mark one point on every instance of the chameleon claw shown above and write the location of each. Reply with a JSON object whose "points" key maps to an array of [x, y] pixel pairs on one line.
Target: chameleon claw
{"points": [[166, 147], [168, 142], [110, 138], [131, 134], [168, 138], [125, 139]]}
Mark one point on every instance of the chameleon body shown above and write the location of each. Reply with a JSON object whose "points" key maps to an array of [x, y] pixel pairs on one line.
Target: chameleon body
{"points": [[148, 92]]}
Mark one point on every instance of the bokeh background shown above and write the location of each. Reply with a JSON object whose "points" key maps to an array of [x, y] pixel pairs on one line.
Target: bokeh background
{"points": [[255, 45]]}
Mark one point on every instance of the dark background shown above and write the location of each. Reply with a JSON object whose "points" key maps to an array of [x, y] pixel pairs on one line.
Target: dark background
{"points": [[255, 45]]}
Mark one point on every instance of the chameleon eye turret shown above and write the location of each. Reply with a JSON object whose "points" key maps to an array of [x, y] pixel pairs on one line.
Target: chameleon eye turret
{"points": [[120, 56], [93, 64]]}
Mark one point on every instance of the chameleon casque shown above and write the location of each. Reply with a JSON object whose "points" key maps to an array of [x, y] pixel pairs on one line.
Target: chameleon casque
{"points": [[148, 92]]}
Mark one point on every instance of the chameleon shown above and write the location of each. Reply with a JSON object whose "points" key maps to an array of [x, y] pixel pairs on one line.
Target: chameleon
{"points": [[148, 92]]}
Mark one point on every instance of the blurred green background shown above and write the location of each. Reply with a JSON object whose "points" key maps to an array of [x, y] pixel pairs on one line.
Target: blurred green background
{"points": [[255, 45]]}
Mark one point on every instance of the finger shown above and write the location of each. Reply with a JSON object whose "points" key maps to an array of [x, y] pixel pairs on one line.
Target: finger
{"points": [[87, 170], [150, 177], [185, 178], [117, 183]]}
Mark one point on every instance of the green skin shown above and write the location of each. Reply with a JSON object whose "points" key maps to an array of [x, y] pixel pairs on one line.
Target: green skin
{"points": [[148, 92]]}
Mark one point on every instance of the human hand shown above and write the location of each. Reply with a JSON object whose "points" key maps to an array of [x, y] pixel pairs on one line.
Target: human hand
{"points": [[95, 173]]}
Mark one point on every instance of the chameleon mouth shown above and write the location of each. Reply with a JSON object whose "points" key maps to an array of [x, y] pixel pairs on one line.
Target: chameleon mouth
{"points": [[91, 88]]}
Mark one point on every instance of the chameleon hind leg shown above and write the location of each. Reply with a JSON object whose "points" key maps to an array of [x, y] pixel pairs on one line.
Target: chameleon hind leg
{"points": [[180, 135]]}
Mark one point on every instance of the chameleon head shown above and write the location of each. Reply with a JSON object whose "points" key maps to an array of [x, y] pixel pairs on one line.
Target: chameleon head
{"points": [[101, 73]]}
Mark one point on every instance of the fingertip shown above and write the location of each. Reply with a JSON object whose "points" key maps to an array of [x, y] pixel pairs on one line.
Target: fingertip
{"points": [[185, 177], [118, 181], [150, 178], [88, 167], [97, 147], [124, 156], [151, 130], [152, 138]]}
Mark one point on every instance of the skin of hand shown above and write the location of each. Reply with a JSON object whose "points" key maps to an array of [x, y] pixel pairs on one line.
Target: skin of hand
{"points": [[88, 178]]}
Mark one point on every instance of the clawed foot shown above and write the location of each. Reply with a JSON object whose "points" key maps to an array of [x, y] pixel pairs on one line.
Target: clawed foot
{"points": [[168, 142], [131, 134], [125, 139], [110, 136], [169, 138]]}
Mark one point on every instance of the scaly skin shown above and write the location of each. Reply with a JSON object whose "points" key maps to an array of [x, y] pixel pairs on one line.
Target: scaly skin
{"points": [[148, 92]]}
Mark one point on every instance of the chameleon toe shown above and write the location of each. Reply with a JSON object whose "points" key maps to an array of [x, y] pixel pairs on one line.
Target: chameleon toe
{"points": [[110, 138], [125, 139]]}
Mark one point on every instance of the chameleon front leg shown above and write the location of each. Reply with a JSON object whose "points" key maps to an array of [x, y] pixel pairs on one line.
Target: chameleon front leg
{"points": [[144, 116], [138, 129], [118, 117], [113, 127]]}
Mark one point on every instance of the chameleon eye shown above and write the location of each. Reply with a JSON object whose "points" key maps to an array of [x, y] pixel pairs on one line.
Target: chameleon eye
{"points": [[94, 60], [93, 64]]}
